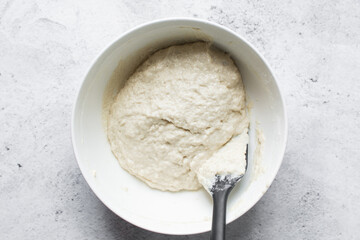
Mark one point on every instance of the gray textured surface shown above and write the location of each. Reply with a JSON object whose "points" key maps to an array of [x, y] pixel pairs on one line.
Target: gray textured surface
{"points": [[46, 47]]}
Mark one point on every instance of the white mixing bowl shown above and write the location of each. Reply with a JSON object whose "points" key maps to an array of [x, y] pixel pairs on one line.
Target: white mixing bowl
{"points": [[185, 212]]}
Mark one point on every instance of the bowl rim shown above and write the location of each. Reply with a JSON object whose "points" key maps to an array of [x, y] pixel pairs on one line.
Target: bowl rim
{"points": [[133, 29]]}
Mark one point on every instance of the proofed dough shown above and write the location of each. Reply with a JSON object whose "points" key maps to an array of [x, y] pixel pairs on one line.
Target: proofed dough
{"points": [[181, 118]]}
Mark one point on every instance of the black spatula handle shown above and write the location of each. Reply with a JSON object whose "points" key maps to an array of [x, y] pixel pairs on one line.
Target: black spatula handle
{"points": [[219, 214]]}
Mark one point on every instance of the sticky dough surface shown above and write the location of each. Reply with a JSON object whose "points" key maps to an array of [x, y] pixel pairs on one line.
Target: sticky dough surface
{"points": [[181, 118]]}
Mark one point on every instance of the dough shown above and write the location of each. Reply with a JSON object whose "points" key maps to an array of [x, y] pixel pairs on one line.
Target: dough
{"points": [[181, 118]]}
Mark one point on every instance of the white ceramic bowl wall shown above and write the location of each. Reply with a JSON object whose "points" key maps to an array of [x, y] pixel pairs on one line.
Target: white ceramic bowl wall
{"points": [[184, 212]]}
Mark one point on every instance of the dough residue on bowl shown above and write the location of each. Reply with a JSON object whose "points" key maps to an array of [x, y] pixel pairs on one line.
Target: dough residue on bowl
{"points": [[181, 118]]}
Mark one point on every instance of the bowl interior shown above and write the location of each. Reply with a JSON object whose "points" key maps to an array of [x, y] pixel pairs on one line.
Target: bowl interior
{"points": [[184, 212]]}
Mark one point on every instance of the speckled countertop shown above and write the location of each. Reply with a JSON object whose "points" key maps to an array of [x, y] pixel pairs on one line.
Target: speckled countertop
{"points": [[46, 47]]}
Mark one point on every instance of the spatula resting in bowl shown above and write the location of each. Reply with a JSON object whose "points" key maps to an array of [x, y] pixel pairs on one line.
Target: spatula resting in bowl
{"points": [[220, 191]]}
